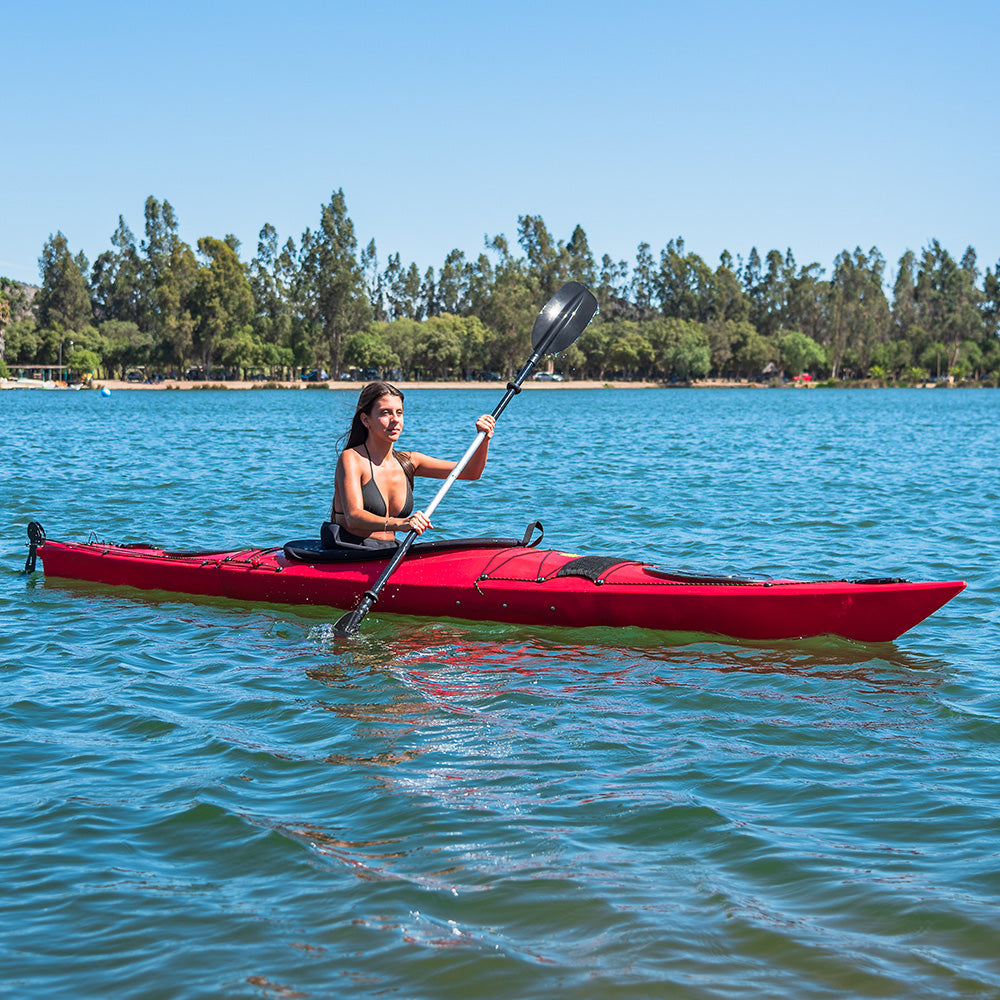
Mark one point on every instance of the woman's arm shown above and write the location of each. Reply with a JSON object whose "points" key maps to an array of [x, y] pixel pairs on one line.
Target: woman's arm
{"points": [[436, 468]]}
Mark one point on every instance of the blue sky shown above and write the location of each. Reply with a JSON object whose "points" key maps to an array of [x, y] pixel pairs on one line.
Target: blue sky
{"points": [[732, 125]]}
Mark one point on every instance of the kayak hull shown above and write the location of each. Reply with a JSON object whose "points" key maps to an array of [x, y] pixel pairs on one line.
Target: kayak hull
{"points": [[505, 581]]}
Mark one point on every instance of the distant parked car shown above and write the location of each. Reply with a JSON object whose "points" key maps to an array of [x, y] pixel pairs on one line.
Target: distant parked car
{"points": [[489, 377], [195, 374], [135, 376], [316, 375], [548, 377]]}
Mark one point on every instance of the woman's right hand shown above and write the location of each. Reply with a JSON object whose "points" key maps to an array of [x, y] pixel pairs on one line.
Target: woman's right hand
{"points": [[417, 522]]}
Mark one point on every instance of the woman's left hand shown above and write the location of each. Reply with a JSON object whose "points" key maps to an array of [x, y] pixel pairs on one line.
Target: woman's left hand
{"points": [[486, 424]]}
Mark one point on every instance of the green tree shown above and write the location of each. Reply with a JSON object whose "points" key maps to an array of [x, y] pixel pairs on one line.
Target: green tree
{"points": [[904, 296], [83, 361], [970, 361], [174, 325], [893, 357], [593, 346], [124, 345], [935, 357], [437, 352], [681, 347], [392, 282], [168, 274], [858, 311], [751, 352], [752, 278], [548, 261], [241, 350], [580, 266], [949, 305], [22, 341], [222, 304], [404, 290], [643, 287], [775, 289], [482, 275], [452, 294], [628, 351], [373, 281], [401, 335], [369, 349], [613, 287], [509, 311], [272, 280], [806, 302], [404, 293], [116, 284], [991, 304], [4, 320], [727, 301], [15, 306], [724, 338], [632, 355], [683, 283], [334, 296], [64, 299], [572, 360], [916, 374], [428, 294], [472, 336], [799, 353]]}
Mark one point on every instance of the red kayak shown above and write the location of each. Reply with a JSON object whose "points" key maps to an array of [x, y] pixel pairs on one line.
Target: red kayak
{"points": [[507, 580]]}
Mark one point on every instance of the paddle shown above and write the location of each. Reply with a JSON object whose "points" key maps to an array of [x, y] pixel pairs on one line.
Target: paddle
{"points": [[562, 319]]}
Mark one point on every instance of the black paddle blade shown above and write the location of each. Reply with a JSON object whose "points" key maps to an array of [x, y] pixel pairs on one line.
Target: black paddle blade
{"points": [[563, 318], [348, 626]]}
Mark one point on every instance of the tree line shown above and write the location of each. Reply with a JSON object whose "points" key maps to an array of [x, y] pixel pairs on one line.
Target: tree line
{"points": [[323, 303]]}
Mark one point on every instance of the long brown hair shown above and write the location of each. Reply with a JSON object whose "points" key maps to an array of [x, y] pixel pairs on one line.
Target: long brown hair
{"points": [[358, 433]]}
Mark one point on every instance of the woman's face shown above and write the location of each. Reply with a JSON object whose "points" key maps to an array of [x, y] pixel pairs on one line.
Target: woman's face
{"points": [[385, 418]]}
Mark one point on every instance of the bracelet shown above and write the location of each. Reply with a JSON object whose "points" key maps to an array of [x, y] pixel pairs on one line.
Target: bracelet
{"points": [[386, 528]]}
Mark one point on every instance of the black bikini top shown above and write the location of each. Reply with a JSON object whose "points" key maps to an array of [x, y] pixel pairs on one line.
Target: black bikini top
{"points": [[371, 496]]}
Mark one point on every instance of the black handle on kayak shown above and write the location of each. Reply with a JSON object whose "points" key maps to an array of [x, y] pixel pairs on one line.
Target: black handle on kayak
{"points": [[562, 319], [36, 537]]}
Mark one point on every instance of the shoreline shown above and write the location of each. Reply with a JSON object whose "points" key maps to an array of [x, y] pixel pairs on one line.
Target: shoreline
{"points": [[174, 384], [115, 385]]}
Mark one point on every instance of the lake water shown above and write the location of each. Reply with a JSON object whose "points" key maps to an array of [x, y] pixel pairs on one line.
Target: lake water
{"points": [[203, 799]]}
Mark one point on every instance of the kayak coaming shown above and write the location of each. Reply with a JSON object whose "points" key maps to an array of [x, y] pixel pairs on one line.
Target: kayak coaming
{"points": [[507, 581]]}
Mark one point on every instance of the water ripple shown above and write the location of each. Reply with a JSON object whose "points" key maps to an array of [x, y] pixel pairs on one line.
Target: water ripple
{"points": [[206, 799]]}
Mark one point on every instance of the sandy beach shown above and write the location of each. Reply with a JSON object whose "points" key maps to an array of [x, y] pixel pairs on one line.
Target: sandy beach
{"points": [[115, 384]]}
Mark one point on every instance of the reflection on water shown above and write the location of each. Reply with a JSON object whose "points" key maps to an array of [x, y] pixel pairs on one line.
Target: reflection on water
{"points": [[459, 660]]}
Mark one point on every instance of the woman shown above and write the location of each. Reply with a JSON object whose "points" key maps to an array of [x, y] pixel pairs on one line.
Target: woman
{"points": [[373, 487]]}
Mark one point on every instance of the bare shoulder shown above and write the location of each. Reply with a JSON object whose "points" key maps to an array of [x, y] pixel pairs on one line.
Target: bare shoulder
{"points": [[350, 461]]}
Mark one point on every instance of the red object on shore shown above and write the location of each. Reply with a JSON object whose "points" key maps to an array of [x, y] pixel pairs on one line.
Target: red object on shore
{"points": [[503, 580]]}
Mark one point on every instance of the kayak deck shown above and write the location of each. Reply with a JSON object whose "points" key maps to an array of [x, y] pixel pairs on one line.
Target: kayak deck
{"points": [[504, 580]]}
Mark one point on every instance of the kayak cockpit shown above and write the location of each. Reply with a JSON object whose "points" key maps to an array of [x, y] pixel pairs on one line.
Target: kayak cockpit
{"points": [[311, 550]]}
